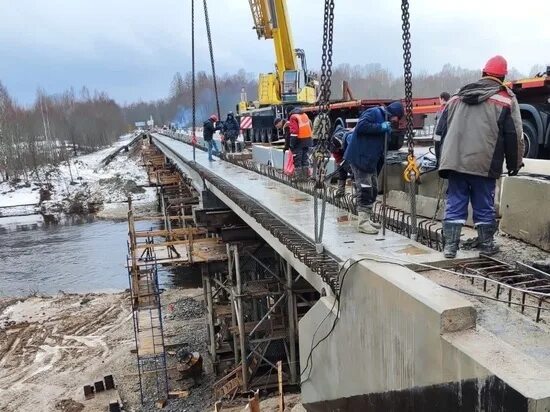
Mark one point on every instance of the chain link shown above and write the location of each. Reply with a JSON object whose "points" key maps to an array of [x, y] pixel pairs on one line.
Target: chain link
{"points": [[409, 131], [321, 155], [194, 122], [207, 21], [407, 66]]}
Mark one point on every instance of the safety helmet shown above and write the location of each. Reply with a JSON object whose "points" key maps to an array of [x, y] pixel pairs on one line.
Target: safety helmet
{"points": [[496, 66]]}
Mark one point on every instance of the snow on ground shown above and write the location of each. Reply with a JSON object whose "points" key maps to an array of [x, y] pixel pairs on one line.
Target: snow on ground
{"points": [[23, 195], [83, 183]]}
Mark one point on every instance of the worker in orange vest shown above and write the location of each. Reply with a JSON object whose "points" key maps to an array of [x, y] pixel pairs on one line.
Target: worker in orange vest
{"points": [[300, 141]]}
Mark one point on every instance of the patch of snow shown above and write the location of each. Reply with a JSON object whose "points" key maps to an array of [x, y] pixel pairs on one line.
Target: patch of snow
{"points": [[84, 180], [21, 194], [12, 222]]}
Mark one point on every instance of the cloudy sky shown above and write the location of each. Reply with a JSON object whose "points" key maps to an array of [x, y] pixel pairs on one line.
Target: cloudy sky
{"points": [[132, 48]]}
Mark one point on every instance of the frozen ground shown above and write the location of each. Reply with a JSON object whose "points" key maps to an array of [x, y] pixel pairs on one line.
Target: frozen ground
{"points": [[50, 347], [83, 186]]}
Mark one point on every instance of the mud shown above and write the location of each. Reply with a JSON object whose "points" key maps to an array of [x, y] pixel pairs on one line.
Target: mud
{"points": [[50, 347]]}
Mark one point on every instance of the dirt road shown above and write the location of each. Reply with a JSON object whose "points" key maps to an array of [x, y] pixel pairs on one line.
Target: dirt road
{"points": [[50, 347]]}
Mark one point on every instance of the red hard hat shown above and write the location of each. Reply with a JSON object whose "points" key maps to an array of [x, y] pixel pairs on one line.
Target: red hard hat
{"points": [[496, 66], [214, 117]]}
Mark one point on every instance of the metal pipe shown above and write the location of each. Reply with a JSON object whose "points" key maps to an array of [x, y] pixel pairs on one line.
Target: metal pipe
{"points": [[233, 323], [271, 272], [291, 324], [269, 312], [385, 177], [221, 285], [208, 287], [240, 317], [232, 297]]}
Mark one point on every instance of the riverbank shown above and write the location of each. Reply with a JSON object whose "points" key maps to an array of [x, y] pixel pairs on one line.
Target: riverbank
{"points": [[51, 346], [80, 186]]}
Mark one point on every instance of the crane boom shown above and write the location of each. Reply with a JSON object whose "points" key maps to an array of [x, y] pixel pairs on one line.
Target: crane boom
{"points": [[272, 22], [289, 83]]}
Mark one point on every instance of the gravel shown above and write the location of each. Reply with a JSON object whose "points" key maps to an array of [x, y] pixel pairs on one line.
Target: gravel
{"points": [[185, 309]]}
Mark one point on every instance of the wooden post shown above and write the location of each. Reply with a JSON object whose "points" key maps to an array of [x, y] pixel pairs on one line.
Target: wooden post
{"points": [[254, 402], [218, 406], [280, 379]]}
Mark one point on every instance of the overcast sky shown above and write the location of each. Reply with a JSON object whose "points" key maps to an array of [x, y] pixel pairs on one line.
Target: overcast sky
{"points": [[132, 48]]}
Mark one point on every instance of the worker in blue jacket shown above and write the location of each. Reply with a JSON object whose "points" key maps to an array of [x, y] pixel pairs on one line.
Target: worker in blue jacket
{"points": [[364, 152]]}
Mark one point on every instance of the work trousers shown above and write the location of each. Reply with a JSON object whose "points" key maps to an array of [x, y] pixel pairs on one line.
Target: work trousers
{"points": [[212, 148], [300, 150], [343, 171], [366, 188], [463, 189], [230, 144]]}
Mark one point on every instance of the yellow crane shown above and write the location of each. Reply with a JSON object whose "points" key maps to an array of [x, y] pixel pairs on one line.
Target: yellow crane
{"points": [[291, 82]]}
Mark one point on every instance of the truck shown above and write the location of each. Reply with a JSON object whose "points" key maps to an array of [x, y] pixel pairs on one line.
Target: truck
{"points": [[291, 85], [533, 96]]}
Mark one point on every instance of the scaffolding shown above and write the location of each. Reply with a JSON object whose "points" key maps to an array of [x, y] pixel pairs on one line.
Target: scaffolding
{"points": [[146, 314], [254, 306], [253, 297]]}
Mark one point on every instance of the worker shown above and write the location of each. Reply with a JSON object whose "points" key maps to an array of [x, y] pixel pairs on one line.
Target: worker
{"points": [[300, 141], [230, 132], [480, 128], [284, 126], [209, 128], [364, 151], [343, 169], [443, 99]]}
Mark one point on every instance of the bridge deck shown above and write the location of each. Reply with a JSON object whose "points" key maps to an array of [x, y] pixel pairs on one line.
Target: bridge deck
{"points": [[296, 208]]}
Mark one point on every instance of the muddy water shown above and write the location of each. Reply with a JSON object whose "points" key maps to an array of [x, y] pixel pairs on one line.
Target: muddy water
{"points": [[78, 255]]}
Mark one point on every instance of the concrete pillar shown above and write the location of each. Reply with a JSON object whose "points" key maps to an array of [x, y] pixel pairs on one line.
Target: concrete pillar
{"points": [[240, 317], [291, 323]]}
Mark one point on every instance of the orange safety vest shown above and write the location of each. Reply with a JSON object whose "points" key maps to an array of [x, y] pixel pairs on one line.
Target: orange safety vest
{"points": [[304, 125]]}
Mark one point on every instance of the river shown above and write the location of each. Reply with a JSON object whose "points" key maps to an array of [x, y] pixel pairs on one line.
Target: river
{"points": [[79, 255]]}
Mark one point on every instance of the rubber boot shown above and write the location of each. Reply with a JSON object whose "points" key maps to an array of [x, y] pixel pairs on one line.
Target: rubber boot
{"points": [[341, 191], [486, 239], [364, 224], [451, 236], [374, 224]]}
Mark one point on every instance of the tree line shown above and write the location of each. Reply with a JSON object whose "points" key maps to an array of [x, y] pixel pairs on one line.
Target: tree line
{"points": [[369, 81], [177, 107], [58, 126], [54, 128]]}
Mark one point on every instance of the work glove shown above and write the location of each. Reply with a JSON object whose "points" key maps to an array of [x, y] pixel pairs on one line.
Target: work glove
{"points": [[514, 172], [386, 126]]}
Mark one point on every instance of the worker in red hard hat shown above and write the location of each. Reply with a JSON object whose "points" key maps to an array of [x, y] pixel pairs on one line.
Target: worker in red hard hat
{"points": [[480, 128], [209, 128]]}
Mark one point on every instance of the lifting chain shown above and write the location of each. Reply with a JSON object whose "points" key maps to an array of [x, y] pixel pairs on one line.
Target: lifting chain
{"points": [[207, 21], [194, 123], [321, 154], [411, 173]]}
